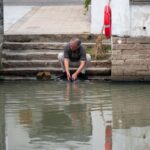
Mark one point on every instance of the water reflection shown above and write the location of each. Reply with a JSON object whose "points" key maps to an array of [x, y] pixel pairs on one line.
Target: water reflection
{"points": [[58, 116], [2, 125], [131, 117], [76, 116]]}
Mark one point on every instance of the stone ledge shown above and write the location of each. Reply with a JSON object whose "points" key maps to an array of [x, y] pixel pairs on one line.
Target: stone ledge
{"points": [[49, 63], [131, 47], [34, 71], [40, 45], [86, 37], [34, 78], [130, 78], [130, 40]]}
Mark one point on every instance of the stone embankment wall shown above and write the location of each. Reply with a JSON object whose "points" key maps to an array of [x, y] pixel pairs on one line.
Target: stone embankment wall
{"points": [[130, 40], [131, 58]]}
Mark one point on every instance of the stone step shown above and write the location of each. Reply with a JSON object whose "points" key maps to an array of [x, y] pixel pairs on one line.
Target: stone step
{"points": [[34, 78], [33, 71], [16, 78], [86, 37], [30, 54], [39, 45], [48, 63], [33, 54]]}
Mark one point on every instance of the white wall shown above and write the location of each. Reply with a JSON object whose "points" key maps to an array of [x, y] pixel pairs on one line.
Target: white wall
{"points": [[97, 15], [130, 19], [131, 139], [140, 17], [120, 17]]}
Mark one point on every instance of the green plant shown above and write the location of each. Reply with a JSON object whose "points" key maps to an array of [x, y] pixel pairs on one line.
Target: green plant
{"points": [[86, 4], [90, 51]]}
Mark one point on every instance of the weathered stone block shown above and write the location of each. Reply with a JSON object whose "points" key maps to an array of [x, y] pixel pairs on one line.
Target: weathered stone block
{"points": [[129, 71], [139, 67], [119, 40], [134, 46], [143, 73], [128, 56], [145, 56], [146, 77], [116, 57], [135, 52], [117, 52], [117, 70], [146, 61], [117, 62], [134, 61], [148, 67], [117, 77], [133, 78], [123, 46], [141, 40]]}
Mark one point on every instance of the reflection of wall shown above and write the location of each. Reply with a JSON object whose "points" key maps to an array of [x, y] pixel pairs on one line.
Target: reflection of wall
{"points": [[136, 138], [131, 117], [2, 128], [130, 106]]}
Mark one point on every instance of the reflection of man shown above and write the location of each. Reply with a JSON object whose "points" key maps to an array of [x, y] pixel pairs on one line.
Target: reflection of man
{"points": [[78, 112], [75, 55]]}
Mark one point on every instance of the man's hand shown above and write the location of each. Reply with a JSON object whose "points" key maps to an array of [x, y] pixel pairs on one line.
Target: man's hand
{"points": [[74, 76], [68, 76], [82, 65]]}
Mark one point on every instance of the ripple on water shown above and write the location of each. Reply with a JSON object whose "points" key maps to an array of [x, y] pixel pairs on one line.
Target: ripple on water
{"points": [[75, 116]]}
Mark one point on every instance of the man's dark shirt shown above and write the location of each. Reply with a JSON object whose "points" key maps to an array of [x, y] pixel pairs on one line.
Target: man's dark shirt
{"points": [[76, 55]]}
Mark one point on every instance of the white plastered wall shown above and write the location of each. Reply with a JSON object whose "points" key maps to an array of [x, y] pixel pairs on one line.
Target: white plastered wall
{"points": [[97, 15], [132, 20]]}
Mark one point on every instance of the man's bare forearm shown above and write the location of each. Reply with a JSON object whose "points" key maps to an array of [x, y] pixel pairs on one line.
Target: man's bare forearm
{"points": [[82, 65], [66, 64]]}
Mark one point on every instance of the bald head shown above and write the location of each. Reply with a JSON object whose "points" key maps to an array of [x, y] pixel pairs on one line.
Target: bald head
{"points": [[74, 44]]}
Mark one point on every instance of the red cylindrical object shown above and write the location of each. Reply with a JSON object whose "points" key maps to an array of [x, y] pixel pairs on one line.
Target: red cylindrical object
{"points": [[108, 138], [107, 21]]}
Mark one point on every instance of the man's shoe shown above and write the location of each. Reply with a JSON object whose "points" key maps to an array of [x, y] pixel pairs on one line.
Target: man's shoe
{"points": [[83, 76]]}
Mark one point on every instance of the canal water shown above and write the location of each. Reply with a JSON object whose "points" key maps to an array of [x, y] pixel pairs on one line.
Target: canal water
{"points": [[75, 116]]}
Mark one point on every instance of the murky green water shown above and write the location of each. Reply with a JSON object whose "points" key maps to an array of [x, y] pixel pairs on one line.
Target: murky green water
{"points": [[76, 116]]}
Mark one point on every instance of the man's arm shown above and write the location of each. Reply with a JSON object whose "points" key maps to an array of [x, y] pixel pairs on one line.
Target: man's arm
{"points": [[82, 65], [66, 65], [66, 61]]}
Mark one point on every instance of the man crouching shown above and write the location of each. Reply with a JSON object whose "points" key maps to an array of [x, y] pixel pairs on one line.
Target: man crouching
{"points": [[74, 55]]}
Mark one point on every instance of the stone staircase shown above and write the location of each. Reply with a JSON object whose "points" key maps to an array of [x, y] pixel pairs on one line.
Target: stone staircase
{"points": [[23, 56]]}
